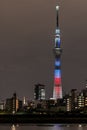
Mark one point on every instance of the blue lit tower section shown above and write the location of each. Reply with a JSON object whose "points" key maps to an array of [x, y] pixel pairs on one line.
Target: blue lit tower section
{"points": [[57, 90]]}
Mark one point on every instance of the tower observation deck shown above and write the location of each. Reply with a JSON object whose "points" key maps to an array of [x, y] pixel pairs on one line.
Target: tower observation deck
{"points": [[57, 89]]}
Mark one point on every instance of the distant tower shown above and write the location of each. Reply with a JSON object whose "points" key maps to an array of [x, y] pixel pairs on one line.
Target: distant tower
{"points": [[57, 90]]}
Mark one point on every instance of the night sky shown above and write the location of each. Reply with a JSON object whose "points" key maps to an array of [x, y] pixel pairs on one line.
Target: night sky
{"points": [[27, 32]]}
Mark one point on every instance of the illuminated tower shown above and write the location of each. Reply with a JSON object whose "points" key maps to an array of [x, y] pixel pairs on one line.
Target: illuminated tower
{"points": [[57, 90]]}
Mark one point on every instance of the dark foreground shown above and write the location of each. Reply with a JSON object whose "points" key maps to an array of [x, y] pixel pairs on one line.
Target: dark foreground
{"points": [[28, 118]]}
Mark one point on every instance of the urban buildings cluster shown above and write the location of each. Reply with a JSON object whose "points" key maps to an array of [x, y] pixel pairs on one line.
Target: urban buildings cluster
{"points": [[71, 102], [76, 100]]}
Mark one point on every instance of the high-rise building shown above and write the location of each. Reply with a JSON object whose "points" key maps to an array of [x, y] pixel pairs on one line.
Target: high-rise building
{"points": [[67, 101], [39, 92], [81, 100], [74, 101], [57, 89], [13, 104]]}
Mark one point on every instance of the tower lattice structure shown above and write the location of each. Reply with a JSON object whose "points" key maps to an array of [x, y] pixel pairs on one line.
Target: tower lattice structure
{"points": [[57, 89]]}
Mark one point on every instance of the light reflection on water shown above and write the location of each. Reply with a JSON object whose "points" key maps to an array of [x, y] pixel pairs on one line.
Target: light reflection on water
{"points": [[43, 127], [14, 127]]}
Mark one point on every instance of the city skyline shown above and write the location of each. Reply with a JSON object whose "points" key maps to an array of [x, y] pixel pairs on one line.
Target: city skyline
{"points": [[27, 32]]}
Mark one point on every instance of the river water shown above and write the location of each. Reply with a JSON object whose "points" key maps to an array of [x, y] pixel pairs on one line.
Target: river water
{"points": [[44, 127]]}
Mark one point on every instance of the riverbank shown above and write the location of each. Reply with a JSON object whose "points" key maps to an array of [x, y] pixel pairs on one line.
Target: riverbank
{"points": [[29, 118]]}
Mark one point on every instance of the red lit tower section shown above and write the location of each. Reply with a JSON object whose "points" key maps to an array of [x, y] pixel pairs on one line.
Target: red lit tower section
{"points": [[57, 89]]}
